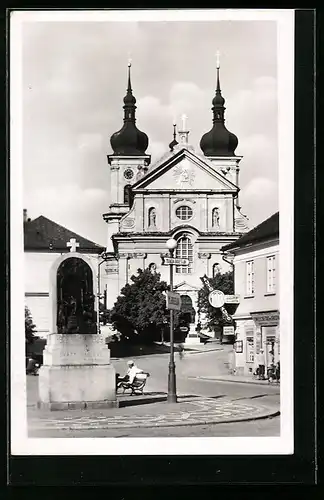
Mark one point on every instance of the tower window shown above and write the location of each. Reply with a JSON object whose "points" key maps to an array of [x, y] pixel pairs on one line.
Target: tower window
{"points": [[128, 194], [184, 250], [184, 212]]}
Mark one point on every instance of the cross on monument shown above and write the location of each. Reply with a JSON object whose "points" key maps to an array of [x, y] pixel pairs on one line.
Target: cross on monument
{"points": [[72, 244]]}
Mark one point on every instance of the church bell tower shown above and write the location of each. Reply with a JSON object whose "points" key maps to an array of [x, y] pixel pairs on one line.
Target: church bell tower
{"points": [[127, 164]]}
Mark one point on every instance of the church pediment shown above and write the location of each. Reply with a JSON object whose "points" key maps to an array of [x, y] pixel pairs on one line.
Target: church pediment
{"points": [[185, 287], [184, 171]]}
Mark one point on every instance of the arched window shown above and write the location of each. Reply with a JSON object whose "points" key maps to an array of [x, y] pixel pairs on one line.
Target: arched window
{"points": [[184, 250], [128, 194], [152, 217], [215, 218], [216, 269]]}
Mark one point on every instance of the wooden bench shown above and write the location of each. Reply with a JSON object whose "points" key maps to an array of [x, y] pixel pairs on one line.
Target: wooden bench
{"points": [[136, 387]]}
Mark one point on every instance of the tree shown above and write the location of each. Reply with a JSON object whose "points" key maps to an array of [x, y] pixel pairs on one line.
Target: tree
{"points": [[140, 313], [29, 327], [214, 317]]}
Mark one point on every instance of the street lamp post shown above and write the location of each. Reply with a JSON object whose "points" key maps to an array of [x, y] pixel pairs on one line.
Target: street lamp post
{"points": [[104, 257], [172, 391]]}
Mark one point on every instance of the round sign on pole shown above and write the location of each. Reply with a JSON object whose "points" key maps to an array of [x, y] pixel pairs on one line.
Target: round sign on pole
{"points": [[216, 298]]}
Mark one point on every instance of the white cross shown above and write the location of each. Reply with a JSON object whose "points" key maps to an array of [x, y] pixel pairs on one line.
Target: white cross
{"points": [[72, 244], [184, 118]]}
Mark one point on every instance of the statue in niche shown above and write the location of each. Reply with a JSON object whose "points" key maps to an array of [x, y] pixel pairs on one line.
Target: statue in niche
{"points": [[75, 306], [152, 217], [140, 173], [215, 217]]}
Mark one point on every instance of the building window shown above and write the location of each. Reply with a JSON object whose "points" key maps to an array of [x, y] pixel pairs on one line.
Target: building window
{"points": [[184, 212], [271, 274], [249, 349], [250, 277], [216, 269], [184, 250], [215, 218]]}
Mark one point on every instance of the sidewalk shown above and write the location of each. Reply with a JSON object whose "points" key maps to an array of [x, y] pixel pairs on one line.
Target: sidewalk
{"points": [[190, 410]]}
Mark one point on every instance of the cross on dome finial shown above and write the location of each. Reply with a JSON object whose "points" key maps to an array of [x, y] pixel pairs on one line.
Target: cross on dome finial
{"points": [[217, 59], [184, 122]]}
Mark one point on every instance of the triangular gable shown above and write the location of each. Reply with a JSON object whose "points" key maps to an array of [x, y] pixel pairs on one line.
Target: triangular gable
{"points": [[185, 287], [182, 171]]}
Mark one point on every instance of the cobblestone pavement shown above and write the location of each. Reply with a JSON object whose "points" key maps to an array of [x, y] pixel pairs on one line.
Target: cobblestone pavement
{"points": [[198, 411]]}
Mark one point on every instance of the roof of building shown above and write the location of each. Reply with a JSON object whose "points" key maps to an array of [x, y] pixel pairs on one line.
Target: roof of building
{"points": [[267, 230], [44, 234]]}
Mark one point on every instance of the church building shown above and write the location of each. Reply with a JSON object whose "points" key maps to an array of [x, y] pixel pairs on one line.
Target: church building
{"points": [[187, 195]]}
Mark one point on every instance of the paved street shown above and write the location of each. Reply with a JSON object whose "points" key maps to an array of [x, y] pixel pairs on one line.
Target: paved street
{"points": [[204, 407], [191, 368]]}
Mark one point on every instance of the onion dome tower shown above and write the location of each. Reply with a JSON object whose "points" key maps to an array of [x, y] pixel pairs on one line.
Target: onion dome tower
{"points": [[129, 141], [127, 162], [218, 141], [174, 142]]}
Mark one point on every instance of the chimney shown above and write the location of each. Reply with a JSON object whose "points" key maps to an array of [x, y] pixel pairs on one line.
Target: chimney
{"points": [[25, 214]]}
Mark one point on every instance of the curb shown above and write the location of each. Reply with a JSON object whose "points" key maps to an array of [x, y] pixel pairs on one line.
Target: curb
{"points": [[263, 416], [143, 356], [220, 379]]}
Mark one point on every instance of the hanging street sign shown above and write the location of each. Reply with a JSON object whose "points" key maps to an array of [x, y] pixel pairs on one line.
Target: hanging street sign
{"points": [[175, 261], [232, 299], [173, 301], [228, 330], [216, 298], [206, 282]]}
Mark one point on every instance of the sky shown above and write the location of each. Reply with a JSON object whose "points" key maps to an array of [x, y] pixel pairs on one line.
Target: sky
{"points": [[74, 81]]}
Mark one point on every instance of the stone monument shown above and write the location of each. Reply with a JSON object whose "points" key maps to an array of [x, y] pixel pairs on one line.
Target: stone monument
{"points": [[76, 371]]}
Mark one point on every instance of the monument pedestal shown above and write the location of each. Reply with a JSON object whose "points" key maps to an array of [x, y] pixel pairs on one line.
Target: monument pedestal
{"points": [[192, 338], [76, 373]]}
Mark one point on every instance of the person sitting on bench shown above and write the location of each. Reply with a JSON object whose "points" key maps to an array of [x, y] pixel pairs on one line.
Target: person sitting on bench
{"points": [[131, 373]]}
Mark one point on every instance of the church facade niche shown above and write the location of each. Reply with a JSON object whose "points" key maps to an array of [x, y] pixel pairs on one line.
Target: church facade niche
{"points": [[152, 217], [75, 299], [215, 218], [216, 269]]}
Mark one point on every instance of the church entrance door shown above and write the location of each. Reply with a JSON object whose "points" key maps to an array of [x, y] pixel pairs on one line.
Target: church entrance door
{"points": [[186, 316], [75, 299]]}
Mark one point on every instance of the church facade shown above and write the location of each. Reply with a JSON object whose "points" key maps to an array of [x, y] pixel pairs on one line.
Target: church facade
{"points": [[189, 196]]}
